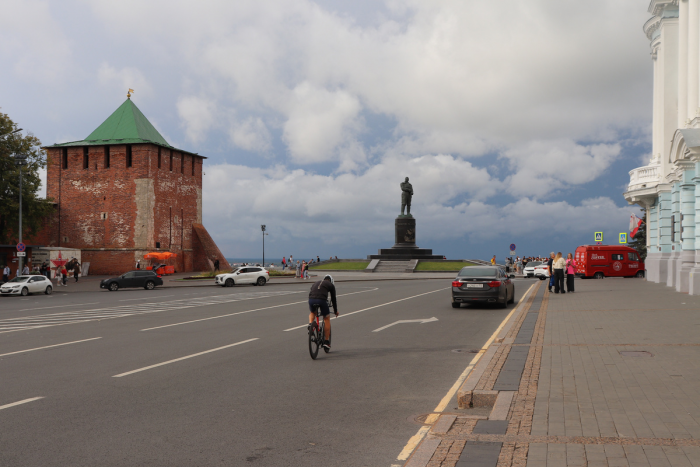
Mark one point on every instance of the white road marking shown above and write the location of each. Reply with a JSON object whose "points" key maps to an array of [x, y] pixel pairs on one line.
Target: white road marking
{"points": [[59, 306], [249, 311], [183, 358], [7, 406], [421, 321], [150, 297], [72, 317], [372, 307], [49, 346]]}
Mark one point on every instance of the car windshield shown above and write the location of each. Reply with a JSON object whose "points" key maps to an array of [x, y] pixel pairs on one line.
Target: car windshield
{"points": [[20, 279], [477, 272]]}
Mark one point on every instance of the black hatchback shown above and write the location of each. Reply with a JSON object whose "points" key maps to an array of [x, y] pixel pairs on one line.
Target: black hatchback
{"points": [[485, 284], [146, 279]]}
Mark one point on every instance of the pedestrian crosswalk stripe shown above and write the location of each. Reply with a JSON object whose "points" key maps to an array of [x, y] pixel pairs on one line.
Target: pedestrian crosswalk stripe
{"points": [[72, 317]]}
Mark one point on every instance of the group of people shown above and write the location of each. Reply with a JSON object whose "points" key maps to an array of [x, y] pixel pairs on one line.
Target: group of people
{"points": [[63, 272], [301, 268], [561, 269]]}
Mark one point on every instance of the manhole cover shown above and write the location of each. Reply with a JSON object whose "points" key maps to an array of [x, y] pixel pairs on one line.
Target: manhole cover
{"points": [[636, 353], [465, 351], [419, 419]]}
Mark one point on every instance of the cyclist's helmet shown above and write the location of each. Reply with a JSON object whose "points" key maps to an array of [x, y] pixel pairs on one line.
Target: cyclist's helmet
{"points": [[328, 277]]}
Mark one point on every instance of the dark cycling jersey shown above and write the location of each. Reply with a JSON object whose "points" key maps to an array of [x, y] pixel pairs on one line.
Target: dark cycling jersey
{"points": [[321, 289]]}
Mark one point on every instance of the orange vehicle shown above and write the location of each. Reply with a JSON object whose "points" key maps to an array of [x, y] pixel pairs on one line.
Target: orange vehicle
{"points": [[599, 261]]}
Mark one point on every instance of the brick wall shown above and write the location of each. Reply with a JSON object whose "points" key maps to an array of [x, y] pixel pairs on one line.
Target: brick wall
{"points": [[125, 210], [206, 251]]}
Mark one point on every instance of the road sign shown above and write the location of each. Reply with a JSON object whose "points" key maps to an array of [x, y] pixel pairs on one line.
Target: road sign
{"points": [[21, 247], [512, 252], [421, 321], [21, 253], [599, 236], [512, 247], [623, 237]]}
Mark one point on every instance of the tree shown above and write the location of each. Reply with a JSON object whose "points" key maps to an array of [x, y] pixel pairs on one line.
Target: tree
{"points": [[639, 242], [34, 208]]}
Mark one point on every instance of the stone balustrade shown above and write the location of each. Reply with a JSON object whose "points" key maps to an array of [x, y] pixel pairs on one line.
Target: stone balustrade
{"points": [[644, 177]]}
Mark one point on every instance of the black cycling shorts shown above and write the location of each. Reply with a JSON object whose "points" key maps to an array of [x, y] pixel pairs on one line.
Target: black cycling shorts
{"points": [[322, 304]]}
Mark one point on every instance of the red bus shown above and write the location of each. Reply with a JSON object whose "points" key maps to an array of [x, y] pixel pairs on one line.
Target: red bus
{"points": [[599, 261]]}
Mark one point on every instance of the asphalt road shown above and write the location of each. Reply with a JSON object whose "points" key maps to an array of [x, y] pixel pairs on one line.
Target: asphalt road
{"points": [[222, 380]]}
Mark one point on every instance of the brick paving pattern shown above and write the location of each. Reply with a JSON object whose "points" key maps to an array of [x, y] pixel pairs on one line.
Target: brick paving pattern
{"points": [[581, 402]]}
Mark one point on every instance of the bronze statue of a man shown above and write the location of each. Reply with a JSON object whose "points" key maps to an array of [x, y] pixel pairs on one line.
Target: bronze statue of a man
{"points": [[406, 195]]}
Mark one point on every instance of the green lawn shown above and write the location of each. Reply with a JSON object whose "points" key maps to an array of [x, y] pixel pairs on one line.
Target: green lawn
{"points": [[441, 266], [346, 266]]}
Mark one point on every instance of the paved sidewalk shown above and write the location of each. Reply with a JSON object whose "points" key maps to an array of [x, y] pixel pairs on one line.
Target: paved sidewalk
{"points": [[607, 376]]}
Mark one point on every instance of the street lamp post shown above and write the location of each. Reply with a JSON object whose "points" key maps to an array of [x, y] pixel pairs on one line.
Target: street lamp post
{"points": [[263, 228], [20, 161], [11, 133]]}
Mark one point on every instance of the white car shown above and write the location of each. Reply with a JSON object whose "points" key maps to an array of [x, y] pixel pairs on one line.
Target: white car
{"points": [[529, 270], [244, 275], [542, 271], [24, 285]]}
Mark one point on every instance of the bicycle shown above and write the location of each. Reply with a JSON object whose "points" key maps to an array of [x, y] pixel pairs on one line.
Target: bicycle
{"points": [[317, 332]]}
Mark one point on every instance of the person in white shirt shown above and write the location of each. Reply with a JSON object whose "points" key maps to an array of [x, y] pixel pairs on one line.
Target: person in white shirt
{"points": [[6, 274]]}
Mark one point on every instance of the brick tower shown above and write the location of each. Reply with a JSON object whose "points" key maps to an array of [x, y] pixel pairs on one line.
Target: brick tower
{"points": [[123, 192]]}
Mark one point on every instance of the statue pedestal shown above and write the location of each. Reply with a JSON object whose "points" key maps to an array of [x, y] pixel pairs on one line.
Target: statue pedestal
{"points": [[405, 247]]}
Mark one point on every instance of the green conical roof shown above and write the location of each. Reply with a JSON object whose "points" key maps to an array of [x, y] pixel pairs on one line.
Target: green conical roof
{"points": [[127, 123]]}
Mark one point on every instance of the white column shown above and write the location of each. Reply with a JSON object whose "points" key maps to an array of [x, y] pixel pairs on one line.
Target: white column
{"points": [[693, 57], [656, 130], [682, 63]]}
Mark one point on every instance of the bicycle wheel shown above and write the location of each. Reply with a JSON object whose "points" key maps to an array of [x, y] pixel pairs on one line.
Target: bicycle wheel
{"points": [[330, 334], [314, 341]]}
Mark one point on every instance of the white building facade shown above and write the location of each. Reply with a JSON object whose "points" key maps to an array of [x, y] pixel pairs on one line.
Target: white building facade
{"points": [[669, 187]]}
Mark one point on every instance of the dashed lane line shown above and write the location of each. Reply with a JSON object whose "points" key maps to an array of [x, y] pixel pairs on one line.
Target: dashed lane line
{"points": [[7, 406], [372, 307], [248, 311], [182, 358], [49, 346]]}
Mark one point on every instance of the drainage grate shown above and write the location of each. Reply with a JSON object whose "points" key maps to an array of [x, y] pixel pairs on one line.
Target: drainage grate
{"points": [[636, 353]]}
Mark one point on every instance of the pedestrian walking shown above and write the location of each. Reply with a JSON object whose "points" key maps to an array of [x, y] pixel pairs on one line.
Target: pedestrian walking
{"points": [[297, 269], [284, 263], [138, 264], [64, 276], [318, 259], [216, 264], [570, 272], [303, 269], [76, 269], [551, 273], [558, 266], [6, 274], [493, 260]]}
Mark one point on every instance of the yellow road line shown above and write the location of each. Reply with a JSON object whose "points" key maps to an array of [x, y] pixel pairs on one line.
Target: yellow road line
{"points": [[432, 418]]}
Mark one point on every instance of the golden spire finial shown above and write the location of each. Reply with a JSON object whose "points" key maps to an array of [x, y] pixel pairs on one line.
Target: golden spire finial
{"points": [[128, 93]]}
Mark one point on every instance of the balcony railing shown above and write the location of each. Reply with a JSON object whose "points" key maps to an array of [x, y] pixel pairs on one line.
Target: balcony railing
{"points": [[644, 177]]}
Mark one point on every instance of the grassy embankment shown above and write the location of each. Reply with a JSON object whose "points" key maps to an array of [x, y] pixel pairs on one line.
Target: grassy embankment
{"points": [[345, 266], [441, 266]]}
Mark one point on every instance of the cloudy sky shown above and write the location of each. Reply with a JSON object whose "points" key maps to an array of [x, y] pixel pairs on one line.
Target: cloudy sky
{"points": [[516, 121]]}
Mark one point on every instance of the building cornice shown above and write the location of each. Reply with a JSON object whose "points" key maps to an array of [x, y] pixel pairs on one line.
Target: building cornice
{"points": [[656, 7]]}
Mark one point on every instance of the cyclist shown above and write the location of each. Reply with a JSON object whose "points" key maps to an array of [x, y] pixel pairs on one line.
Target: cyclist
{"points": [[319, 296]]}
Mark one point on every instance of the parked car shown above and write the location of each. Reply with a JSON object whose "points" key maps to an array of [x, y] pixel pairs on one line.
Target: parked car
{"points": [[488, 284], [244, 275], [599, 261], [24, 285], [146, 279], [529, 269]]}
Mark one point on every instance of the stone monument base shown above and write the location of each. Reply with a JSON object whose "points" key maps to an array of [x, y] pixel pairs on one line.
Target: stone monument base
{"points": [[405, 247]]}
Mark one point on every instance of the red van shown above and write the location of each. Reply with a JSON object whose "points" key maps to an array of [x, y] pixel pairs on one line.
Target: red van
{"points": [[600, 261]]}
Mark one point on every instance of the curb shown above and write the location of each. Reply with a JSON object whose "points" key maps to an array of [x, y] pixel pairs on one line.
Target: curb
{"points": [[467, 395]]}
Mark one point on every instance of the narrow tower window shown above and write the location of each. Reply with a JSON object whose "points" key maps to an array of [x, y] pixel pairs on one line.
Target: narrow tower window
{"points": [[106, 157], [86, 157], [65, 158], [193, 165], [171, 160], [128, 155]]}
